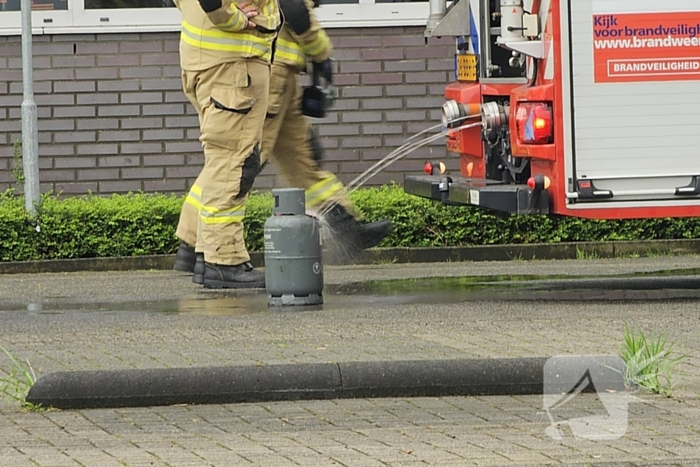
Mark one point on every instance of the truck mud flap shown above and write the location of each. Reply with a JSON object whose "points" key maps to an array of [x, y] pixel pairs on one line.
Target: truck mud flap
{"points": [[487, 194]]}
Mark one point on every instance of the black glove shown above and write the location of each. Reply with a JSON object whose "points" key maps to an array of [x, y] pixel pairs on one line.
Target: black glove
{"points": [[324, 69], [210, 5]]}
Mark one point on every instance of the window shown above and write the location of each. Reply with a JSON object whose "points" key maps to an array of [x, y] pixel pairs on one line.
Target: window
{"points": [[40, 5], [95, 16], [46, 13], [127, 14], [353, 13]]}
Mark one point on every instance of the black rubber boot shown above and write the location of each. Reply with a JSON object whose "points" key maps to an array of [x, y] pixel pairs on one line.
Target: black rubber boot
{"points": [[242, 276], [359, 235], [372, 233], [198, 274], [185, 258]]}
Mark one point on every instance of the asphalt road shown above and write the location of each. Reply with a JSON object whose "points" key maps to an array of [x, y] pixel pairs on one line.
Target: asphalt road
{"points": [[87, 321]]}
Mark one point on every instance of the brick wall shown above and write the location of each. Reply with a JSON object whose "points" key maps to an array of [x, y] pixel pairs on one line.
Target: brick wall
{"points": [[113, 118]]}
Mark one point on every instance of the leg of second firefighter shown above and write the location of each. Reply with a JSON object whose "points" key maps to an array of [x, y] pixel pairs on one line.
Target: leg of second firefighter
{"points": [[289, 142], [186, 259], [296, 153]]}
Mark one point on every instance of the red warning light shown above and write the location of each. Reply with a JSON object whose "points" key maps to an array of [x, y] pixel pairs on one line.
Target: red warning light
{"points": [[539, 182], [534, 122]]}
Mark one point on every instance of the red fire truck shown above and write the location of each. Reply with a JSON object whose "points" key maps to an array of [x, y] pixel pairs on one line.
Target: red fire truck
{"points": [[587, 108]]}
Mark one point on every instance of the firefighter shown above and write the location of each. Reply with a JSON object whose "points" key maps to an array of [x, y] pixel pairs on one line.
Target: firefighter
{"points": [[288, 139], [225, 55]]}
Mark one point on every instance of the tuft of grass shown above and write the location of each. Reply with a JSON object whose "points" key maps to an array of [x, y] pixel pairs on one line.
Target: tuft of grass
{"points": [[385, 260], [583, 254], [649, 361], [659, 253], [18, 382]]}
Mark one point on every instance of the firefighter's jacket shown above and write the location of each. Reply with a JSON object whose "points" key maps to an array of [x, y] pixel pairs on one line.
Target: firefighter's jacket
{"points": [[295, 49], [221, 36]]}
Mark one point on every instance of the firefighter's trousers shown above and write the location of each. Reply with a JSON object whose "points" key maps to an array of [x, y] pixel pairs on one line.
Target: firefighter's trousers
{"points": [[289, 143], [231, 101]]}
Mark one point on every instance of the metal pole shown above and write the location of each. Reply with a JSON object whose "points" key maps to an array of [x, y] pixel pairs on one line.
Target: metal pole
{"points": [[438, 8], [30, 131]]}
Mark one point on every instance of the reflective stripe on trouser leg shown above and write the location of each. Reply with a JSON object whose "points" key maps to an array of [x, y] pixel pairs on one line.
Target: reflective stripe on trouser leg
{"points": [[292, 155], [322, 191], [234, 103], [189, 216]]}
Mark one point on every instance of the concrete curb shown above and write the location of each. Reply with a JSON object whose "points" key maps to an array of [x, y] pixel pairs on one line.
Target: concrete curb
{"points": [[426, 378], [535, 251]]}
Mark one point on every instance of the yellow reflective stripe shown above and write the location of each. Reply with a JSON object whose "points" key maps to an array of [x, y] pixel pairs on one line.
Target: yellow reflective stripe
{"points": [[290, 51], [316, 46], [194, 197], [210, 215], [290, 58], [236, 23], [267, 10], [320, 198], [225, 41], [222, 220], [292, 47], [321, 191]]}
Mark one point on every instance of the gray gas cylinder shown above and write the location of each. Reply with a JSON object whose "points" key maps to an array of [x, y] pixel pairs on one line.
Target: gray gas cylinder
{"points": [[293, 267]]}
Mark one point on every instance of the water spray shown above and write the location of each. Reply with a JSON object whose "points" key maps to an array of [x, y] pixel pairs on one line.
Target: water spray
{"points": [[402, 151]]}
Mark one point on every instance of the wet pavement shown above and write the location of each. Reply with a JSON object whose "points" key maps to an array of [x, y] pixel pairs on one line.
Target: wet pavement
{"points": [[156, 319]]}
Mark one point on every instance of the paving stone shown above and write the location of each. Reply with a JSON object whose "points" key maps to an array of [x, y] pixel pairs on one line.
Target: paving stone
{"points": [[493, 431]]}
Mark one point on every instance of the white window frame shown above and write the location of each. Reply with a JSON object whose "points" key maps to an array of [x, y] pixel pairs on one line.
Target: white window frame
{"points": [[42, 21], [367, 13], [78, 20]]}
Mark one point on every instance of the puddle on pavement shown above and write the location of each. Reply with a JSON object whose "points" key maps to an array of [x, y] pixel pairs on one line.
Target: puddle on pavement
{"points": [[670, 272], [659, 285]]}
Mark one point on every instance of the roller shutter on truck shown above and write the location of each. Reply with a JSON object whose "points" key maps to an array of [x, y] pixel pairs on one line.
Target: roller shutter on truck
{"points": [[631, 102]]}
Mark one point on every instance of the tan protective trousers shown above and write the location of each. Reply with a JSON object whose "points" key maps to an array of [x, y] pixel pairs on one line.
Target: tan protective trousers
{"points": [[287, 142], [231, 101]]}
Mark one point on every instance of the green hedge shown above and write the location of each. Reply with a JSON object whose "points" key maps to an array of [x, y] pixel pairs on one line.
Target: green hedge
{"points": [[143, 224]]}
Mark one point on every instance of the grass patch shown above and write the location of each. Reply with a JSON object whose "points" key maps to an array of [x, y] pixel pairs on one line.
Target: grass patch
{"points": [[16, 385], [385, 260], [582, 254], [649, 361]]}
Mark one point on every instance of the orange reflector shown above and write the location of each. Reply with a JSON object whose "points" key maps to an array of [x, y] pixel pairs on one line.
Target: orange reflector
{"points": [[470, 169], [544, 180]]}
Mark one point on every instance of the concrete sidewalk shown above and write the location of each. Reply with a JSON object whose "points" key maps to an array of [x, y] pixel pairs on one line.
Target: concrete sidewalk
{"points": [[86, 321]]}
